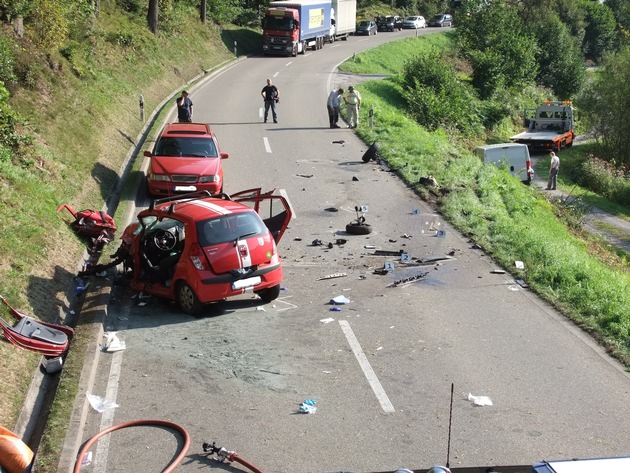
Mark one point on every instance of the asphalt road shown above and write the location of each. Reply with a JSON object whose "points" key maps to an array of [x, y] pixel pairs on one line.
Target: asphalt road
{"points": [[380, 369]]}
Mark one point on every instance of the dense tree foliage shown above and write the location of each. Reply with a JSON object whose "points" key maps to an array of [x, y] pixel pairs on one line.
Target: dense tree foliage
{"points": [[560, 62], [436, 98], [501, 51], [600, 33], [607, 100]]}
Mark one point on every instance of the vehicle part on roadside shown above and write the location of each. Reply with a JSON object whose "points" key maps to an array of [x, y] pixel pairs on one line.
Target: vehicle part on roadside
{"points": [[90, 223], [332, 276], [135, 423], [410, 279], [358, 226], [97, 225], [224, 454], [45, 338], [372, 152]]}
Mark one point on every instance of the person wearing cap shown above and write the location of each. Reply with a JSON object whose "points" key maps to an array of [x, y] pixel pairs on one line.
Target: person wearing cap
{"points": [[353, 104], [332, 105], [184, 108]]}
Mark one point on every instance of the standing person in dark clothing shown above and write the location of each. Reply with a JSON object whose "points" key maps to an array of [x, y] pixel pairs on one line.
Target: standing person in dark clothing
{"points": [[333, 102], [184, 108], [271, 96]]}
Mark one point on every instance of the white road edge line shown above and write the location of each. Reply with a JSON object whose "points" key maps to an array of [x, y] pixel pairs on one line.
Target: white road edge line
{"points": [[107, 420], [386, 405], [267, 145]]}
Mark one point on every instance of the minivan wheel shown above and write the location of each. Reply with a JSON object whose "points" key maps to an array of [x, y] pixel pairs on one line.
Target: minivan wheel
{"points": [[269, 294], [187, 299]]}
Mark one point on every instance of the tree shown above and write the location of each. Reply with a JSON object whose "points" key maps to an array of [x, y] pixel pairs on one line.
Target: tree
{"points": [[493, 36], [152, 15], [559, 58], [599, 36], [621, 10], [606, 106]]}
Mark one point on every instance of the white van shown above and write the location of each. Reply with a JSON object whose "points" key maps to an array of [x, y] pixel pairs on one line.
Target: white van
{"points": [[515, 156]]}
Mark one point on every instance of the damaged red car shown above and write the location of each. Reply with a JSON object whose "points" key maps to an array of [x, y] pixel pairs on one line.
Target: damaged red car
{"points": [[197, 248]]}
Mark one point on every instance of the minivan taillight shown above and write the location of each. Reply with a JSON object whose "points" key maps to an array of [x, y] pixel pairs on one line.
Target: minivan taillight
{"points": [[198, 258]]}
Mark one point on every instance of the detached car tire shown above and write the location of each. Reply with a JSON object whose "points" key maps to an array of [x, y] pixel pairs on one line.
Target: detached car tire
{"points": [[269, 294], [372, 152], [355, 228], [187, 299]]}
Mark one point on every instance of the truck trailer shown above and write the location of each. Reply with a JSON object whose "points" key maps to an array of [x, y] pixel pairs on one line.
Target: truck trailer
{"points": [[343, 19], [549, 126], [290, 28]]}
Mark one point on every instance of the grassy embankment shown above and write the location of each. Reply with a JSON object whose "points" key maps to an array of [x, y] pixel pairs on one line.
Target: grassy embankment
{"points": [[574, 271], [84, 113]]}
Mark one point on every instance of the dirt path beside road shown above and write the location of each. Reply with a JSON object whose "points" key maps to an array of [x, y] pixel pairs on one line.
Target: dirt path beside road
{"points": [[612, 229]]}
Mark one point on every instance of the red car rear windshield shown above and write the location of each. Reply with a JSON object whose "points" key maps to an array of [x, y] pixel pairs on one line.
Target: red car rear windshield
{"points": [[229, 228], [186, 147]]}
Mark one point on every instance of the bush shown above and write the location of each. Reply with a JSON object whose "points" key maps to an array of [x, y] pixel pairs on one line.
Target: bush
{"points": [[605, 178], [436, 98]]}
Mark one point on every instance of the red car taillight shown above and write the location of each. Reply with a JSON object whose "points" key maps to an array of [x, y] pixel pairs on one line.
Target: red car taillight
{"points": [[198, 258]]}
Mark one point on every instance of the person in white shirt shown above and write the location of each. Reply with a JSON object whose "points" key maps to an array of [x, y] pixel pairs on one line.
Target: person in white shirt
{"points": [[353, 103], [553, 172]]}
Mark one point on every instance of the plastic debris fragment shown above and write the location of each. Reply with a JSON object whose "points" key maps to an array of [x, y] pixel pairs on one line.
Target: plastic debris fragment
{"points": [[480, 400], [308, 407], [340, 300]]}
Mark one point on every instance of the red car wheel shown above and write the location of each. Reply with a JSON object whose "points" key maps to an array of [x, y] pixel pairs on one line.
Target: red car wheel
{"points": [[187, 299]]}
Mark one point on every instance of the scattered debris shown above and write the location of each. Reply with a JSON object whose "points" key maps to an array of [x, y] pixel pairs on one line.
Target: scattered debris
{"points": [[112, 343], [355, 178], [317, 242], [341, 241], [339, 300], [333, 276], [297, 239], [480, 400], [387, 253], [372, 152], [498, 271], [327, 321], [358, 226], [428, 181], [308, 407], [519, 265], [521, 283], [369, 247], [306, 176], [335, 309], [52, 365], [407, 280], [331, 209], [404, 235], [381, 271], [339, 142], [100, 404]]}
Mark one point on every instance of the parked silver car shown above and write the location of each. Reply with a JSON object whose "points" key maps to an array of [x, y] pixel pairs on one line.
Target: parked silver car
{"points": [[414, 22]]}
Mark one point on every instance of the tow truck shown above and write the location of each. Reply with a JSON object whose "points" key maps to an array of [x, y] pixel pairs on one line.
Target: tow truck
{"points": [[549, 126]]}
